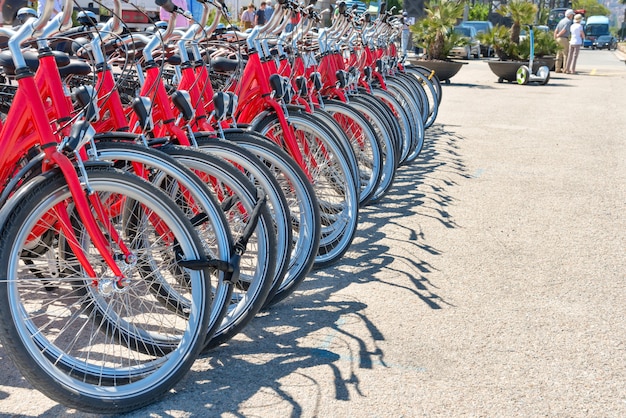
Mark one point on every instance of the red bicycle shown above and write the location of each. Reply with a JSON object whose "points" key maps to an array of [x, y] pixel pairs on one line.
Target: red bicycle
{"points": [[82, 247]]}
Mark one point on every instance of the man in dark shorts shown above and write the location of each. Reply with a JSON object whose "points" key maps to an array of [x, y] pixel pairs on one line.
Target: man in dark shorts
{"points": [[260, 15]]}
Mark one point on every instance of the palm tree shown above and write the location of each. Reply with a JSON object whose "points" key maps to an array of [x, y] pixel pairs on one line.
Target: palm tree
{"points": [[521, 13], [435, 30]]}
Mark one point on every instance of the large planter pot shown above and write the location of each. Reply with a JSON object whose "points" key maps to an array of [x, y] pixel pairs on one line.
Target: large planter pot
{"points": [[507, 70], [444, 70], [548, 61]]}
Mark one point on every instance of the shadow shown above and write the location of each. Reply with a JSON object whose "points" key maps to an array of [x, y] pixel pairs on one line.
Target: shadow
{"points": [[317, 327], [470, 85], [551, 83], [317, 342]]}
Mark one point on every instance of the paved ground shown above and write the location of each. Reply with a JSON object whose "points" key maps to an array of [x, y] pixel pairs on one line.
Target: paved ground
{"points": [[490, 282]]}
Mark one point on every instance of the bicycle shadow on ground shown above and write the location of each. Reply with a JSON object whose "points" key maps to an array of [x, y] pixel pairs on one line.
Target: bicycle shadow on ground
{"points": [[282, 362]]}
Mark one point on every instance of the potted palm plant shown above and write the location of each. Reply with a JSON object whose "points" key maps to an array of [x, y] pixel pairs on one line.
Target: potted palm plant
{"points": [[512, 50], [435, 34]]}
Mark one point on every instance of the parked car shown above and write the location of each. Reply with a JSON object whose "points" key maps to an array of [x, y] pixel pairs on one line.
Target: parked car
{"points": [[481, 26], [604, 41], [524, 33], [472, 49]]}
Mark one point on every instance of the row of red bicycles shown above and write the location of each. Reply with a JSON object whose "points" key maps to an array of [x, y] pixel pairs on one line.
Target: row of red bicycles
{"points": [[162, 187]]}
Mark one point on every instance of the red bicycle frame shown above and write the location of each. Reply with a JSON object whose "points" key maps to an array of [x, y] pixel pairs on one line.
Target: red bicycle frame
{"points": [[18, 137]]}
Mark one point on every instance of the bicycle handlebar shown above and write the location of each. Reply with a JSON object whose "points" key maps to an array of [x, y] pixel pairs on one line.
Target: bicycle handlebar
{"points": [[61, 22], [26, 32]]}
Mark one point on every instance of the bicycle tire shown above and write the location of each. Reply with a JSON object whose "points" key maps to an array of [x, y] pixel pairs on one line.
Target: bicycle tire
{"points": [[404, 121], [303, 206], [260, 176], [332, 178], [414, 89], [364, 143], [432, 77], [192, 196], [259, 260], [411, 103], [386, 116], [62, 350], [432, 87], [390, 158]]}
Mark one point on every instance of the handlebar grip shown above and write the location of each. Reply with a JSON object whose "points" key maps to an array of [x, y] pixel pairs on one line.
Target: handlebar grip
{"points": [[167, 5]]}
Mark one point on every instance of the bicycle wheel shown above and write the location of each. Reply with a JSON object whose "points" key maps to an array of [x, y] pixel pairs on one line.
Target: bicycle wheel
{"points": [[409, 101], [401, 115], [192, 196], [238, 198], [261, 177], [387, 117], [432, 90], [370, 110], [430, 76], [331, 175], [53, 327], [365, 144], [303, 206], [411, 87], [325, 121]]}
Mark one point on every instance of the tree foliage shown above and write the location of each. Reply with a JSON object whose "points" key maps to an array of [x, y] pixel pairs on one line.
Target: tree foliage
{"points": [[434, 33], [592, 7], [506, 41], [521, 13], [480, 11]]}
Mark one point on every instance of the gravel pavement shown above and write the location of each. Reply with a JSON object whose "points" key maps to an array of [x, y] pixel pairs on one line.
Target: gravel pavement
{"points": [[491, 281]]}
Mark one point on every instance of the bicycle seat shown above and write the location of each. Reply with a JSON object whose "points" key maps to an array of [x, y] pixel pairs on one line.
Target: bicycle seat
{"points": [[75, 67], [32, 61], [224, 65]]}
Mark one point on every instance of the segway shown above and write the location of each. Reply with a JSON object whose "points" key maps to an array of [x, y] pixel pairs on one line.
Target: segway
{"points": [[525, 74]]}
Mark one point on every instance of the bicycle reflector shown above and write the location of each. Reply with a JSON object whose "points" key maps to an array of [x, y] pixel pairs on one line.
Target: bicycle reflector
{"points": [[182, 101], [342, 78], [81, 133], [301, 84], [276, 82], [367, 72], [221, 103], [141, 107], [233, 102], [316, 78], [86, 97]]}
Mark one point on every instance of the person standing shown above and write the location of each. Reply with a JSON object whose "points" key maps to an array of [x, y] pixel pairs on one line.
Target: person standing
{"points": [[561, 35], [406, 34], [181, 21], [269, 10], [247, 17], [577, 35], [260, 15], [58, 7], [293, 21]]}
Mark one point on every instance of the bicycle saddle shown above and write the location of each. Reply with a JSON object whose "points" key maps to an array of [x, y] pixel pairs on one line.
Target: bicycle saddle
{"points": [[224, 65], [32, 60]]}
